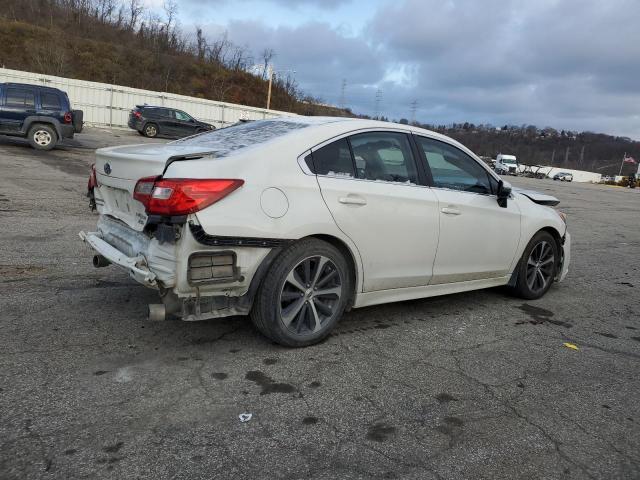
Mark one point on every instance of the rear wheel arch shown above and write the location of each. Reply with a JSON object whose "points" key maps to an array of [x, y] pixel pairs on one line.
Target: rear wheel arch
{"points": [[349, 257], [50, 122]]}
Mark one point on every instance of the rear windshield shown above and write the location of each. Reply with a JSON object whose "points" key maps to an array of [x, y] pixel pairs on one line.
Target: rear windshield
{"points": [[225, 140]]}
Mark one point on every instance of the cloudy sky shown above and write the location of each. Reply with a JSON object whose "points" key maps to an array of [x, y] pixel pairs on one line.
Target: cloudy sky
{"points": [[572, 64]]}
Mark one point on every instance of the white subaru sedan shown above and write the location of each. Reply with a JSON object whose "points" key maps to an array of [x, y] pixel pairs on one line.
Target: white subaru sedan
{"points": [[295, 220]]}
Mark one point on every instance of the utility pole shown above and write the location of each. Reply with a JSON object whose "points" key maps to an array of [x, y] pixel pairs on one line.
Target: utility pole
{"points": [[553, 157], [342, 97], [624, 157], [270, 81], [566, 156], [378, 99], [414, 107], [581, 156]]}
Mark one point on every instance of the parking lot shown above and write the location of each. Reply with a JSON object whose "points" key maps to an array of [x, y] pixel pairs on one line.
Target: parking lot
{"points": [[474, 385]]}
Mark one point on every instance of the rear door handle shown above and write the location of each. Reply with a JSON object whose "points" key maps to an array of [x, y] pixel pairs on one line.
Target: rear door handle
{"points": [[352, 200], [451, 211]]}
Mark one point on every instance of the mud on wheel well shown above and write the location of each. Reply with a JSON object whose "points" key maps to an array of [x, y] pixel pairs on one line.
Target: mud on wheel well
{"points": [[344, 249]]}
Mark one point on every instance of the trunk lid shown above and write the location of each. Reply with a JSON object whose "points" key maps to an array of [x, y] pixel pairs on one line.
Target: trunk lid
{"points": [[119, 168]]}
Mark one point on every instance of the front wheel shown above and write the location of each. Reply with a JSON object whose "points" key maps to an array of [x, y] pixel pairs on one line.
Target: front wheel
{"points": [[303, 295], [537, 268]]}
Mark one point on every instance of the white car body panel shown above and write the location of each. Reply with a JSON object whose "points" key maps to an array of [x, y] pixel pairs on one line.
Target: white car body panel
{"points": [[401, 242], [478, 238], [395, 229]]}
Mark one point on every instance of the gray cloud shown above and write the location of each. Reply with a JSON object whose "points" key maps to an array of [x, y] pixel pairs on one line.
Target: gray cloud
{"points": [[569, 64]]}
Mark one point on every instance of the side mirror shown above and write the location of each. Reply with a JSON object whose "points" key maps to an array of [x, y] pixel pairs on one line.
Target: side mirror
{"points": [[504, 190]]}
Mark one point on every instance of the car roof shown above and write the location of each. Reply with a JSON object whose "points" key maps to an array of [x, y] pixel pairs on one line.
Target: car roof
{"points": [[30, 85]]}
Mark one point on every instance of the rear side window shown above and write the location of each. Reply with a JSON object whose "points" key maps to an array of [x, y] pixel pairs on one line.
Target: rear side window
{"points": [[158, 112], [384, 156], [20, 97], [50, 101], [334, 159]]}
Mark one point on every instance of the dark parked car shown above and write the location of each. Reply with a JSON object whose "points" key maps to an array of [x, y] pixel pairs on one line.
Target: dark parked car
{"points": [[153, 121], [41, 114]]}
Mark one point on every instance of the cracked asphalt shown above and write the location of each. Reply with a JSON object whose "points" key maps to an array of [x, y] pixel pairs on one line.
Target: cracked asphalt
{"points": [[475, 385]]}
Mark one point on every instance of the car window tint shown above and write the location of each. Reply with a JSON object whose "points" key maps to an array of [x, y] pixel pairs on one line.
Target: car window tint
{"points": [[384, 156], [452, 168], [182, 116], [19, 97], [156, 112], [334, 159], [50, 101]]}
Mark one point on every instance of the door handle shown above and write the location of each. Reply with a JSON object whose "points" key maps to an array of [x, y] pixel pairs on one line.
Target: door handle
{"points": [[451, 211], [351, 200]]}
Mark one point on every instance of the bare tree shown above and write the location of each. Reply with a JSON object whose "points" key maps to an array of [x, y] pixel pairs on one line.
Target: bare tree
{"points": [[136, 9], [201, 44], [267, 55]]}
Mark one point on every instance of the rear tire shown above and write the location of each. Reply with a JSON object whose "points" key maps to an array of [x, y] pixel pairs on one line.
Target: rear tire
{"points": [[42, 137], [151, 130], [537, 267], [303, 295]]}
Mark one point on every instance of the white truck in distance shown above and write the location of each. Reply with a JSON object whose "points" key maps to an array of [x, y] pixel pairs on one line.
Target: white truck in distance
{"points": [[506, 164]]}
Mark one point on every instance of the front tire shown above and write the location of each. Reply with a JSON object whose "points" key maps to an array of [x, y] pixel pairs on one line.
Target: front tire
{"points": [[537, 267], [303, 295], [42, 137]]}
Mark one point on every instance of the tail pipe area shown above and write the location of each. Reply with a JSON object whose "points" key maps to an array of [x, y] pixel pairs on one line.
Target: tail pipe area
{"points": [[99, 261]]}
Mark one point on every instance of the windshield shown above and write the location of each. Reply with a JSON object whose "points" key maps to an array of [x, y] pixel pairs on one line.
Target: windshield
{"points": [[509, 161], [225, 140]]}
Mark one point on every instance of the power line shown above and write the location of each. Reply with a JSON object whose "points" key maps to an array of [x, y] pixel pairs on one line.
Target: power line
{"points": [[342, 97], [414, 107], [378, 100]]}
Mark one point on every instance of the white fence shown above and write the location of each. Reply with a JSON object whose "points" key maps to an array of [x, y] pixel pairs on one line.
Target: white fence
{"points": [[109, 105]]}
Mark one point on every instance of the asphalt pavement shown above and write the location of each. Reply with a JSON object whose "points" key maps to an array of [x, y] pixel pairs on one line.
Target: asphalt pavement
{"points": [[468, 386]]}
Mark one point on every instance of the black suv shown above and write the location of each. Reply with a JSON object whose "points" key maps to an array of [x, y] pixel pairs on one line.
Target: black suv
{"points": [[153, 121], [41, 114]]}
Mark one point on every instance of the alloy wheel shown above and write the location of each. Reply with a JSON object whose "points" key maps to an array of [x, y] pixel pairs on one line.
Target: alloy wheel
{"points": [[540, 267], [310, 295], [151, 131]]}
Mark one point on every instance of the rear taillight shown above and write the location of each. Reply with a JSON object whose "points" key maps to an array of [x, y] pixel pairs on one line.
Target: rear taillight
{"points": [[68, 118], [92, 177], [181, 196], [136, 113]]}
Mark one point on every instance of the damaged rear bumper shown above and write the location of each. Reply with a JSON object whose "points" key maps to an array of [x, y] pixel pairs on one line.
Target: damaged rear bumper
{"points": [[136, 266]]}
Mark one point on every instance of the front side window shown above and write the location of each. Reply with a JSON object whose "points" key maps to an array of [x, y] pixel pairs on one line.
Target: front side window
{"points": [[182, 116], [453, 169], [333, 159], [19, 97], [384, 156], [50, 101]]}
